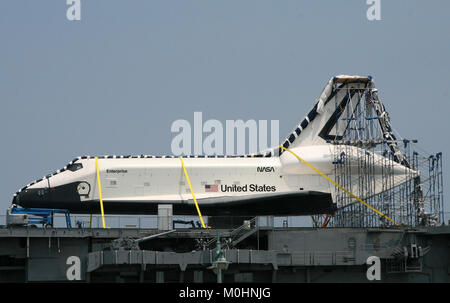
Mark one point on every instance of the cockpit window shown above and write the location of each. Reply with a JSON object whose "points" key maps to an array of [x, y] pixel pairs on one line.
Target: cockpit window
{"points": [[74, 166]]}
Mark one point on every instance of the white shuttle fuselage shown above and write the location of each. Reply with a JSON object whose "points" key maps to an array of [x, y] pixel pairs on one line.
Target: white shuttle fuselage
{"points": [[273, 182]]}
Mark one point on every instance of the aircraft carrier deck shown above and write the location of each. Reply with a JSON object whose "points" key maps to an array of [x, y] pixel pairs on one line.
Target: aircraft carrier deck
{"points": [[258, 252]]}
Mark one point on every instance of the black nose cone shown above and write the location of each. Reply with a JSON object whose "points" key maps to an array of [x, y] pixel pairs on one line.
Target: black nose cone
{"points": [[35, 197]]}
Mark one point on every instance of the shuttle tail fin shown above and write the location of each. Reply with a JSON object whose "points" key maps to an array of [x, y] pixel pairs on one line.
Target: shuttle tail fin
{"points": [[332, 112], [348, 111]]}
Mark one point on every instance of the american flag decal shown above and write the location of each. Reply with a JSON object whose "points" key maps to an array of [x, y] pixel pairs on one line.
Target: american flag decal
{"points": [[211, 188]]}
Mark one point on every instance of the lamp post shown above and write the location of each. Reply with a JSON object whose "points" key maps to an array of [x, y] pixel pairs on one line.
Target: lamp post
{"points": [[220, 262]]}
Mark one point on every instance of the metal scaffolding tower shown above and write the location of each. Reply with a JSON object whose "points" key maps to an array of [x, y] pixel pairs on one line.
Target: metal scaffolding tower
{"points": [[412, 198]]}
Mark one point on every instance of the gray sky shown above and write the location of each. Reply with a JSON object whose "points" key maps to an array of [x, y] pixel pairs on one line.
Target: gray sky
{"points": [[114, 82]]}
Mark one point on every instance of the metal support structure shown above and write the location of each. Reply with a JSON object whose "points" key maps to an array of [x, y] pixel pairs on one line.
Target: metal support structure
{"points": [[412, 199]]}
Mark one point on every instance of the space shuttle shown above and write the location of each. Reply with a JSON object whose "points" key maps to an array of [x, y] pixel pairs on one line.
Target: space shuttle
{"points": [[271, 182]]}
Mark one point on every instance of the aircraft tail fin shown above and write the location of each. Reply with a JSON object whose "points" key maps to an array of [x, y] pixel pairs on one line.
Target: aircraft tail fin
{"points": [[332, 112], [344, 105]]}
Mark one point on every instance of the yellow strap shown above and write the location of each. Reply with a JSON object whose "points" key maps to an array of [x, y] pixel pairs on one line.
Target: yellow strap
{"points": [[192, 192], [340, 187], [314, 221], [100, 192]]}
